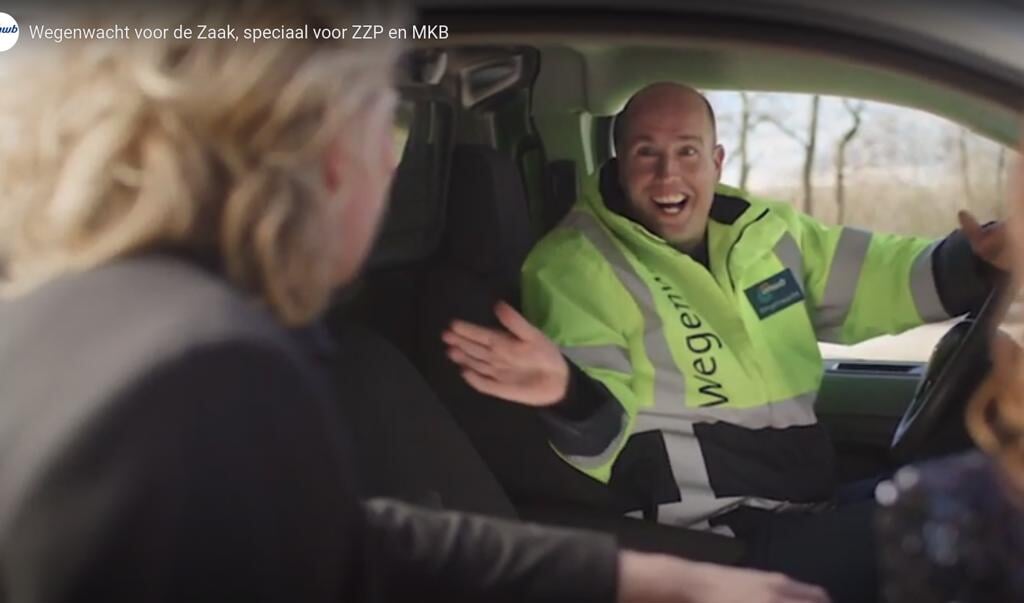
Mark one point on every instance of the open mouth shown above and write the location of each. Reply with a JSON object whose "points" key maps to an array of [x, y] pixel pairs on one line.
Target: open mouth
{"points": [[671, 204]]}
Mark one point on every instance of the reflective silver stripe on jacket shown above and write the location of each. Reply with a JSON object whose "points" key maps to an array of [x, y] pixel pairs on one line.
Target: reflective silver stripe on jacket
{"points": [[922, 286], [589, 435], [669, 413], [669, 383], [605, 429], [841, 287], [790, 412], [610, 357], [789, 254], [698, 501]]}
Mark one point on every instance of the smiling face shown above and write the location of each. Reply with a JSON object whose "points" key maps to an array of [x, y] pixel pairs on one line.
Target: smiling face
{"points": [[669, 163]]}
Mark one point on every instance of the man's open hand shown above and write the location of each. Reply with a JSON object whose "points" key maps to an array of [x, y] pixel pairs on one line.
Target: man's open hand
{"points": [[520, 364]]}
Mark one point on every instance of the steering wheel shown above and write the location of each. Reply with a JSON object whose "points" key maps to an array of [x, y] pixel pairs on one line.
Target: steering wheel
{"points": [[957, 365]]}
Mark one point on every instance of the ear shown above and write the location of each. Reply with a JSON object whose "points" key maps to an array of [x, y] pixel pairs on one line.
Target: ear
{"points": [[718, 157], [333, 162]]}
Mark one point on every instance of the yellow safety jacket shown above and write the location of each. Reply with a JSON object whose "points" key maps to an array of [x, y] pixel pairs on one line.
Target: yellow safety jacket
{"points": [[723, 360]]}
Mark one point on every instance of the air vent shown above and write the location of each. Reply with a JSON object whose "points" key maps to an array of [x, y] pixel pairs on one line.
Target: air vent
{"points": [[875, 367]]}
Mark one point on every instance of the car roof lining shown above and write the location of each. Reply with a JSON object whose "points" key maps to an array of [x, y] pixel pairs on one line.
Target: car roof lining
{"points": [[589, 65], [612, 73]]}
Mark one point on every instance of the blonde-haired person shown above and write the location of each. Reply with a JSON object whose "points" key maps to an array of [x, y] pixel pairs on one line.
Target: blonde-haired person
{"points": [[953, 529], [168, 209]]}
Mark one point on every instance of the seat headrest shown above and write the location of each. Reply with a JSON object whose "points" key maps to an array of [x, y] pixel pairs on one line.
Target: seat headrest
{"points": [[488, 228]]}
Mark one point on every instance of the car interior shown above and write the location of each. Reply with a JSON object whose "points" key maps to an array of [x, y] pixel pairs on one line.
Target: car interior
{"points": [[498, 129]]}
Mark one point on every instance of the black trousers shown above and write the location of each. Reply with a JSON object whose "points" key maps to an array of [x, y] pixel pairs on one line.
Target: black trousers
{"points": [[835, 549]]}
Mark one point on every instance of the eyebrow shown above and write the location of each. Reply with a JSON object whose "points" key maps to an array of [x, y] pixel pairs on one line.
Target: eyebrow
{"points": [[688, 137]]}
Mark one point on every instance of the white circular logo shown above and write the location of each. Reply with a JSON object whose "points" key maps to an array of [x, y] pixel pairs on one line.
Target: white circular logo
{"points": [[8, 32]]}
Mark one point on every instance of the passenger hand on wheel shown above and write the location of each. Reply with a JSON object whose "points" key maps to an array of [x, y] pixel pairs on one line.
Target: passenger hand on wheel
{"points": [[658, 578], [519, 363]]}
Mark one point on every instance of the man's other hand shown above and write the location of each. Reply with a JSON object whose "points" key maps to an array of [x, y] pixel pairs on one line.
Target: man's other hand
{"points": [[989, 243], [519, 364]]}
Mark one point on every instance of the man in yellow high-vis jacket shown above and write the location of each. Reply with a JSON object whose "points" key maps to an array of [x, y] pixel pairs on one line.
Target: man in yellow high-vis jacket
{"points": [[667, 303]]}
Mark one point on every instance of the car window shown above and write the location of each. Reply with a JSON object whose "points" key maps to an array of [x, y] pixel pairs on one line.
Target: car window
{"points": [[865, 164]]}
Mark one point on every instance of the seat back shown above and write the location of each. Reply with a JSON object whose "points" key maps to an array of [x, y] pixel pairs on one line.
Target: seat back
{"points": [[407, 445], [384, 296], [486, 239]]}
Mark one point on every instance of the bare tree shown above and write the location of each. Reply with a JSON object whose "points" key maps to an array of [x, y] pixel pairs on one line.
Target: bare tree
{"points": [[749, 119], [965, 165], [810, 144], [855, 111]]}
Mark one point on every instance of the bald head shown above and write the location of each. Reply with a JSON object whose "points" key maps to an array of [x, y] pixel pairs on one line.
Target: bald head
{"points": [[662, 97], [669, 162]]}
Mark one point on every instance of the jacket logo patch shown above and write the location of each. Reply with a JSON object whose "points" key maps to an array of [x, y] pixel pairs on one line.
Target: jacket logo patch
{"points": [[774, 293]]}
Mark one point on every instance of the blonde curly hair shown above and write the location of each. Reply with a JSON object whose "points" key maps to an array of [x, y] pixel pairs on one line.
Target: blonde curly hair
{"points": [[114, 148]]}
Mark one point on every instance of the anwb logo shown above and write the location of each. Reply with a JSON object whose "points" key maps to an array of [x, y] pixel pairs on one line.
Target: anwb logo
{"points": [[8, 32]]}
